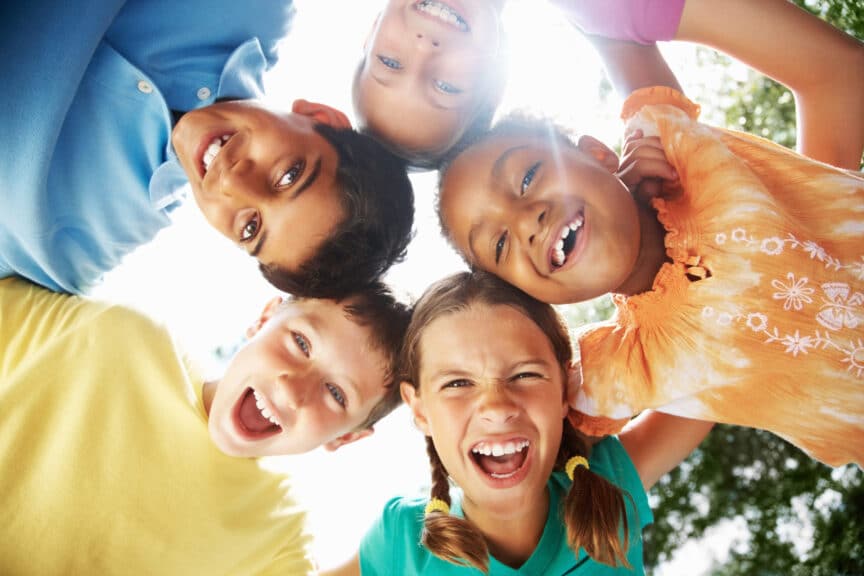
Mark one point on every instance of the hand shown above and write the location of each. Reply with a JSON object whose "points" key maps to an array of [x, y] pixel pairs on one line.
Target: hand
{"points": [[644, 168]]}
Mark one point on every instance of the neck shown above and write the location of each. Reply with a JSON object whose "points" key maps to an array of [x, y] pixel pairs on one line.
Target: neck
{"points": [[652, 253], [511, 536], [208, 391]]}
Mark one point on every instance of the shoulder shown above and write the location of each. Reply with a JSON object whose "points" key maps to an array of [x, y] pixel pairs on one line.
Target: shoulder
{"points": [[610, 460], [394, 537]]}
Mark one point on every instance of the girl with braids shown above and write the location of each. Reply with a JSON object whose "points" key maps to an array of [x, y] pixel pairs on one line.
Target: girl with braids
{"points": [[486, 371]]}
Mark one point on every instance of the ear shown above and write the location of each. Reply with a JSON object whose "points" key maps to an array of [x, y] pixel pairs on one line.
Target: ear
{"points": [[321, 113], [573, 384], [599, 152], [269, 310], [415, 403], [348, 438]]}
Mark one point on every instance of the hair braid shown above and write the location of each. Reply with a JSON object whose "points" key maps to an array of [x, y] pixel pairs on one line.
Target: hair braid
{"points": [[594, 509], [449, 537]]}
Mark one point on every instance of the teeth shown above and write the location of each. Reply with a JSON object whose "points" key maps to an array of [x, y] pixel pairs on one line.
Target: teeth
{"points": [[213, 150], [259, 402], [558, 255], [442, 12], [498, 449]]}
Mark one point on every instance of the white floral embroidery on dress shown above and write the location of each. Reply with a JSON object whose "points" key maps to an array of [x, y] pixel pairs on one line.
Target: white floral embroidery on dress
{"points": [[795, 294], [855, 358], [842, 306]]}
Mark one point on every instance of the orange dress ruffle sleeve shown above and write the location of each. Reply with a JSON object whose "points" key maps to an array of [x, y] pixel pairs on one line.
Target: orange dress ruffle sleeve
{"points": [[759, 318]]}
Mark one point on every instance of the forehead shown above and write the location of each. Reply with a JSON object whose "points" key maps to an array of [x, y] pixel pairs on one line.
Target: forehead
{"points": [[482, 334]]}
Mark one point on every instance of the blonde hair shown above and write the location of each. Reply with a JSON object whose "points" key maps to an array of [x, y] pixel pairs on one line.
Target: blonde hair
{"points": [[593, 509]]}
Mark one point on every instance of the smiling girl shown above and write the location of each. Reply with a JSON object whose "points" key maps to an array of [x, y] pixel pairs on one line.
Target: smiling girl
{"points": [[487, 375]]}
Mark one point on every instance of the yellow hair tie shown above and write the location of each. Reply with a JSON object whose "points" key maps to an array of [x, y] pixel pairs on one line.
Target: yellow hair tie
{"points": [[437, 505], [573, 462]]}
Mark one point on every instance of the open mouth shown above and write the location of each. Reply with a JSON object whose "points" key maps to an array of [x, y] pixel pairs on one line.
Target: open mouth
{"points": [[566, 241], [253, 416], [211, 151], [444, 13], [501, 460]]}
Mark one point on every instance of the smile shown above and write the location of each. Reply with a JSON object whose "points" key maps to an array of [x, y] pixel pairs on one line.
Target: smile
{"points": [[501, 461], [212, 150], [254, 418], [566, 241], [442, 12]]}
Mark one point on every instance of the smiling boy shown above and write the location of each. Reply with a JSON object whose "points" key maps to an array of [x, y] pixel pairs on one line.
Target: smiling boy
{"points": [[108, 464], [101, 158]]}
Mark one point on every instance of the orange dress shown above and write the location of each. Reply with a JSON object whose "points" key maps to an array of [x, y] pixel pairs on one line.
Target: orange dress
{"points": [[759, 318]]}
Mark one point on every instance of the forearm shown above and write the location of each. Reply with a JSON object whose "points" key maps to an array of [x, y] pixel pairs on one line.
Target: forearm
{"points": [[822, 66], [658, 442], [631, 66]]}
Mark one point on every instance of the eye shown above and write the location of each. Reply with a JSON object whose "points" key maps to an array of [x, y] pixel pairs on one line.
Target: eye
{"points": [[499, 247], [528, 178], [250, 228], [302, 343], [527, 376], [391, 63], [446, 87], [458, 383], [291, 175], [337, 394]]}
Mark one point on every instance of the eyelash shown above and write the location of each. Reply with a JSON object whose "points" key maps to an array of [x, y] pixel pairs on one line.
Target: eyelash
{"points": [[446, 87], [529, 178], [337, 394], [301, 342], [245, 234], [391, 63], [459, 383], [526, 376], [499, 246], [294, 172]]}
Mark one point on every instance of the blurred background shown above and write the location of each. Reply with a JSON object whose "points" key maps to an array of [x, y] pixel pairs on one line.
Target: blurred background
{"points": [[744, 503]]}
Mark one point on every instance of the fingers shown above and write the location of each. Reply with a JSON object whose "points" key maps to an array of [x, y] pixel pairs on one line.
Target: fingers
{"points": [[644, 168]]}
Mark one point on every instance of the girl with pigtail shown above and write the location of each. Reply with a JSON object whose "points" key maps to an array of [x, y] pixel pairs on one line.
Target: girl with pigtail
{"points": [[487, 373]]}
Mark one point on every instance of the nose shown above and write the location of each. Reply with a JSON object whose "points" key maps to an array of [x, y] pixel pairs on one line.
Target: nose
{"points": [[293, 390], [530, 220], [237, 179], [497, 406], [426, 41]]}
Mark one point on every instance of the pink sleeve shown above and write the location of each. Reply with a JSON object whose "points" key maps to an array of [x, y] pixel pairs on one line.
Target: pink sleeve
{"points": [[642, 21]]}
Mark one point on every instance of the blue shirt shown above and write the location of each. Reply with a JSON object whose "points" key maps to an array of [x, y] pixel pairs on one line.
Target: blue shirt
{"points": [[392, 546], [88, 172]]}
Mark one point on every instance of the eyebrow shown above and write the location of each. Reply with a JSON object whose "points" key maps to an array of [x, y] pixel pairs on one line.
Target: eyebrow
{"points": [[313, 176], [498, 166], [261, 238]]}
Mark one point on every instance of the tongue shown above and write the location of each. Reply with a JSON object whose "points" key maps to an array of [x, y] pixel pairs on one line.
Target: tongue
{"points": [[502, 465], [250, 415]]}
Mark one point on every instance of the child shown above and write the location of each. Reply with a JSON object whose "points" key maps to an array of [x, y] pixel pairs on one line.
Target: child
{"points": [[487, 374], [100, 157], [431, 75], [108, 464], [739, 293]]}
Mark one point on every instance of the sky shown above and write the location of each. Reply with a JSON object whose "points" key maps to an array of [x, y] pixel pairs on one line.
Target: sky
{"points": [[207, 291]]}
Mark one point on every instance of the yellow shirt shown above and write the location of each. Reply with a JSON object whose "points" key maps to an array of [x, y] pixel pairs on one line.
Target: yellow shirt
{"points": [[759, 318], [107, 464]]}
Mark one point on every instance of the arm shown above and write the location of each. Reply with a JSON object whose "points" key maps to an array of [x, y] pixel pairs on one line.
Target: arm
{"points": [[350, 568], [658, 442], [822, 66]]}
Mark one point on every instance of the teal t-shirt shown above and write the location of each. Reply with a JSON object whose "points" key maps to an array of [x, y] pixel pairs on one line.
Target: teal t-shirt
{"points": [[392, 545]]}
